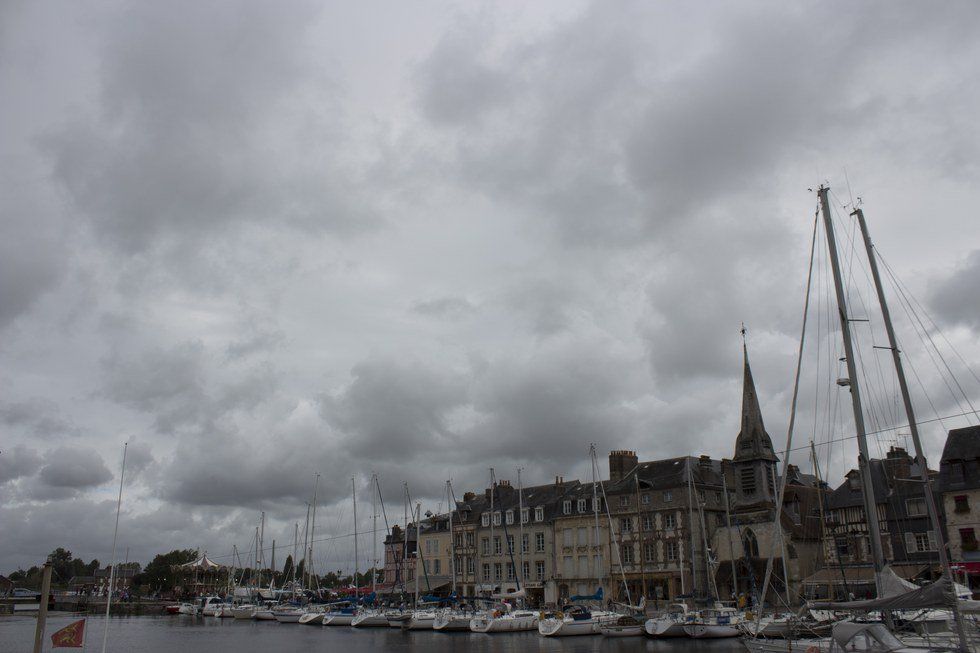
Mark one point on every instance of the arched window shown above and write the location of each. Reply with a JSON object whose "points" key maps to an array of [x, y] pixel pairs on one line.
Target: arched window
{"points": [[750, 545]]}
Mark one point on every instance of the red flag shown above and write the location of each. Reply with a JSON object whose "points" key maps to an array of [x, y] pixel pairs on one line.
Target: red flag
{"points": [[71, 636]]}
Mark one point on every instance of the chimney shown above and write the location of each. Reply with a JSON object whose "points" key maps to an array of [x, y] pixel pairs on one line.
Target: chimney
{"points": [[899, 462], [705, 462], [468, 496], [621, 462]]}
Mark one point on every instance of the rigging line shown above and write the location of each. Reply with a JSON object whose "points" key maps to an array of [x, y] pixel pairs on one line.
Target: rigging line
{"points": [[792, 411], [845, 438], [910, 311], [935, 326], [928, 335], [876, 400]]}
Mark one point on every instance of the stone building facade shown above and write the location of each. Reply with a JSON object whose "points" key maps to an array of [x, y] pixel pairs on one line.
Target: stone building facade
{"points": [[664, 513], [959, 486], [581, 543]]}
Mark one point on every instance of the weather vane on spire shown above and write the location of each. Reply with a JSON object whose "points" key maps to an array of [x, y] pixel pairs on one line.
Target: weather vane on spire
{"points": [[742, 331]]}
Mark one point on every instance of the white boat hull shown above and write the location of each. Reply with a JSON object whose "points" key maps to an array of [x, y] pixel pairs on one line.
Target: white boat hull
{"points": [[621, 631], [398, 619], [504, 624], [422, 621], [567, 627], [369, 620], [338, 619], [453, 621], [225, 612], [710, 631], [243, 612], [311, 619], [289, 617], [264, 615], [664, 628]]}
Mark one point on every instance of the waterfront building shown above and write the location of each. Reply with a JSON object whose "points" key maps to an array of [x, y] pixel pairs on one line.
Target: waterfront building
{"points": [[663, 512], [501, 552], [959, 485], [399, 573], [465, 521], [433, 559], [908, 541], [581, 543]]}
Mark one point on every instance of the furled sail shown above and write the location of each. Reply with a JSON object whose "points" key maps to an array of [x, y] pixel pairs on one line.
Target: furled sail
{"points": [[935, 595]]}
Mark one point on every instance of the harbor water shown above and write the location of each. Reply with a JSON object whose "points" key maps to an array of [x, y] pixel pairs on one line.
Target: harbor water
{"points": [[183, 634]]}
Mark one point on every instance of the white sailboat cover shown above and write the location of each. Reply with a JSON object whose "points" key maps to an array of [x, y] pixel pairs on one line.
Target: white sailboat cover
{"points": [[519, 594]]}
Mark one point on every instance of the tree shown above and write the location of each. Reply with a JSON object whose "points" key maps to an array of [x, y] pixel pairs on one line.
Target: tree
{"points": [[61, 565], [161, 574], [287, 569]]}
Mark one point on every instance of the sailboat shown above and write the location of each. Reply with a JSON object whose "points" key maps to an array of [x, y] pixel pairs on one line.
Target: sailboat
{"points": [[876, 636], [373, 616]]}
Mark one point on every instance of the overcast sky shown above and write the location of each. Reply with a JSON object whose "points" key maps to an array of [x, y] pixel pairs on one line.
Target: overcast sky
{"points": [[263, 240]]}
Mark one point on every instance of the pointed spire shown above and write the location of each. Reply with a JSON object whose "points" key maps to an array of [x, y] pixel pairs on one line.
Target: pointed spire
{"points": [[753, 443]]}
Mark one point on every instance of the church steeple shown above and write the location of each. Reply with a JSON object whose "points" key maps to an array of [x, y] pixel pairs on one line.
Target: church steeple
{"points": [[753, 443]]}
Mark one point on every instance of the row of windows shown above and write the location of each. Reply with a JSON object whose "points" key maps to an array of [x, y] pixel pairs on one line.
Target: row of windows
{"points": [[525, 544], [498, 569], [626, 500], [595, 505], [508, 516], [628, 553]]}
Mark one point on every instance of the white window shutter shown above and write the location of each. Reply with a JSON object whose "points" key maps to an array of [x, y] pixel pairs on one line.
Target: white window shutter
{"points": [[932, 541], [910, 543]]}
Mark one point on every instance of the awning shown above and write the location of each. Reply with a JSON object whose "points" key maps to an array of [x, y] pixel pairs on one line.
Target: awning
{"points": [[204, 562], [965, 567]]}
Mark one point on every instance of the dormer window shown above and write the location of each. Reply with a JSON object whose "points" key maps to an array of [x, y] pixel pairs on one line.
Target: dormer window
{"points": [[582, 505], [496, 518], [854, 482], [509, 516], [566, 507], [485, 519], [525, 515], [539, 513]]}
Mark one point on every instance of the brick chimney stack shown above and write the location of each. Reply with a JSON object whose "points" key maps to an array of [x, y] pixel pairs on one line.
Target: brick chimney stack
{"points": [[621, 462]]}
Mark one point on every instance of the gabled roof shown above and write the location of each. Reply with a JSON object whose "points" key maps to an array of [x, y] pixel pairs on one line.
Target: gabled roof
{"points": [[752, 443]]}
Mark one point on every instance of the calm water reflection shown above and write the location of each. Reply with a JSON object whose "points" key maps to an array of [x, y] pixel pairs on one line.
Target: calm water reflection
{"points": [[193, 634]]}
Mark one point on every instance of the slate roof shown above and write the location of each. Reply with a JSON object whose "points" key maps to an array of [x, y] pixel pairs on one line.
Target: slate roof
{"points": [[752, 443], [959, 468], [548, 496], [667, 474]]}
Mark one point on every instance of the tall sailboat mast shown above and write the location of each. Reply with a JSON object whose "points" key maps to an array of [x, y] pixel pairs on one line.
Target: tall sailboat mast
{"points": [[353, 493], [920, 458], [452, 539], [864, 459], [374, 537], [520, 520], [595, 514]]}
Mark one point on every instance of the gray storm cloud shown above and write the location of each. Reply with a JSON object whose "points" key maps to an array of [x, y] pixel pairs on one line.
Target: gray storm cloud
{"points": [[74, 468], [260, 243]]}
